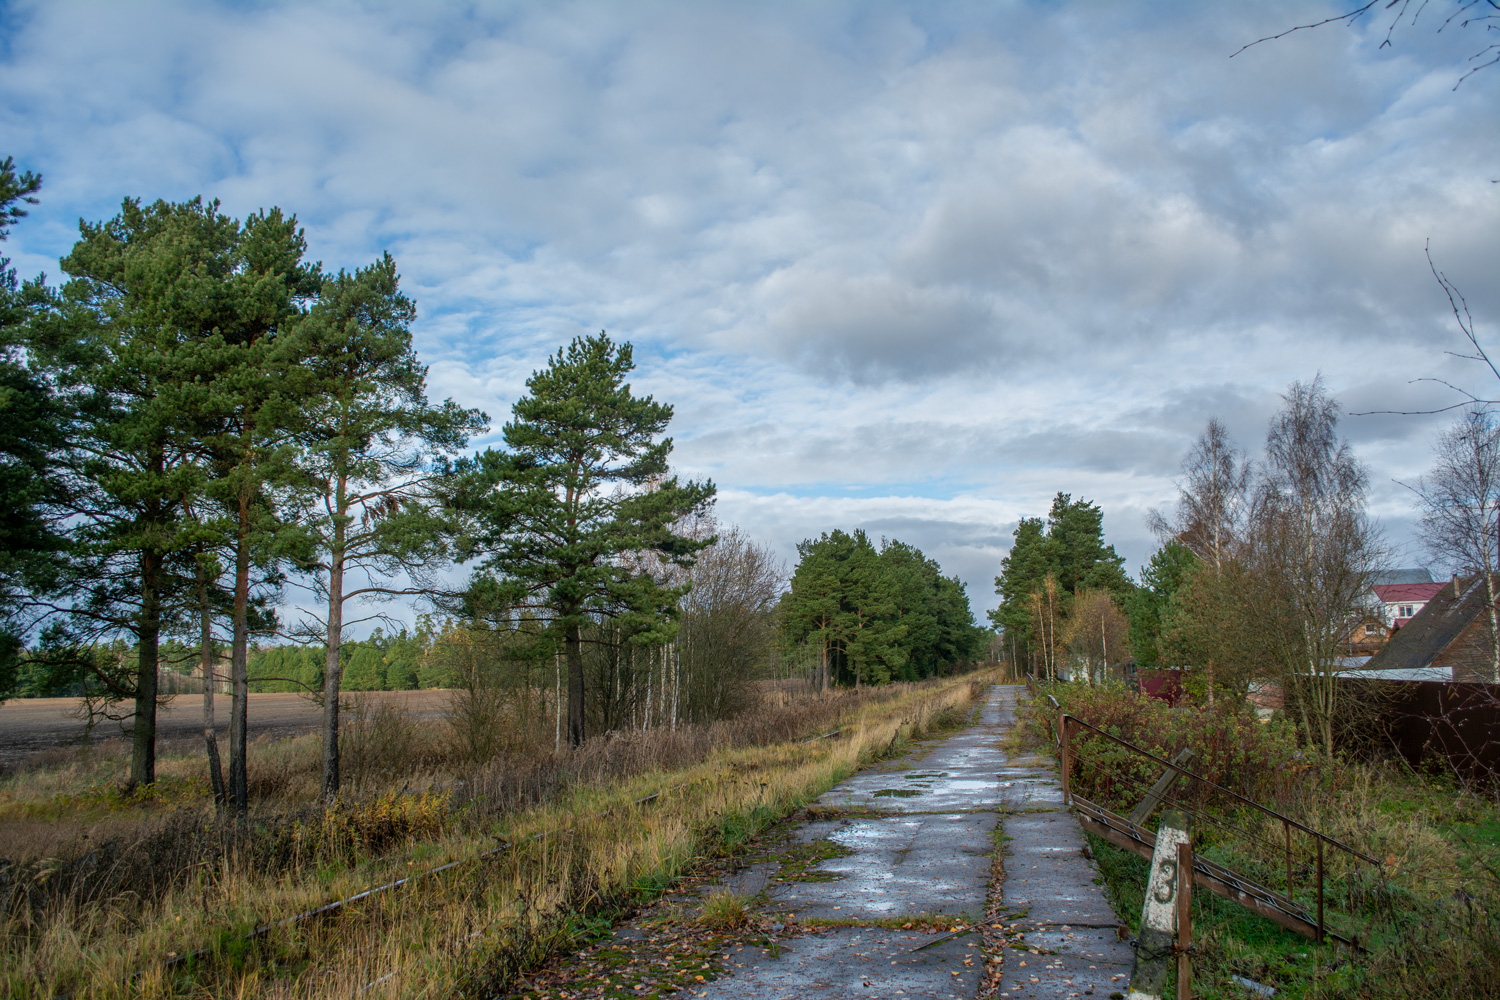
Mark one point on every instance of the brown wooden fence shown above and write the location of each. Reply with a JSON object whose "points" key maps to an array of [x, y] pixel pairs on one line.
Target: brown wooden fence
{"points": [[1453, 726]]}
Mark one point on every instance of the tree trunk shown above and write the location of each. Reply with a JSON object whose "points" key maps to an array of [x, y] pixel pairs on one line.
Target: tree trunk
{"points": [[332, 667], [239, 793], [143, 725], [1489, 603], [206, 660], [573, 643]]}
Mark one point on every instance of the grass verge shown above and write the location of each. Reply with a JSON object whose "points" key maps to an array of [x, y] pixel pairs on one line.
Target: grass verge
{"points": [[569, 864]]}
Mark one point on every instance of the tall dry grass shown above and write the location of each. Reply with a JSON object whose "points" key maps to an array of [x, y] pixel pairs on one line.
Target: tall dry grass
{"points": [[86, 918]]}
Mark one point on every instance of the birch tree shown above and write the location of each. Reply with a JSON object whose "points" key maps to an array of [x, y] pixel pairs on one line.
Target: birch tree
{"points": [[1315, 547], [1459, 502]]}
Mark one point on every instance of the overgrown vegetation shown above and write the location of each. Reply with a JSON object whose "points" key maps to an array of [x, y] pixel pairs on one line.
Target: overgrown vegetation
{"points": [[1428, 914], [134, 882]]}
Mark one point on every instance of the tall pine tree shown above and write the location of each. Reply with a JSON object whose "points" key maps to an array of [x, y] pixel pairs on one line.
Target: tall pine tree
{"points": [[370, 440], [583, 482]]}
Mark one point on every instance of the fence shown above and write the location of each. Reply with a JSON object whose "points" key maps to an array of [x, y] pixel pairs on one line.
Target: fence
{"points": [[1456, 725], [1227, 815]]}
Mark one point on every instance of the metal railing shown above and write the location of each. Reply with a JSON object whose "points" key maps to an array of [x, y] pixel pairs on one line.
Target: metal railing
{"points": [[1126, 832]]}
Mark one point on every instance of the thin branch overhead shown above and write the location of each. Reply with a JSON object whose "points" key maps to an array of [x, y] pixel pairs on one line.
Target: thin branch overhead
{"points": [[1460, 308], [1490, 54]]}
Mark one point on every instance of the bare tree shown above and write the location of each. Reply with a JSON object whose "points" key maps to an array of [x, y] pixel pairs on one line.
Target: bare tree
{"points": [[1463, 13], [1212, 497], [1315, 547], [1460, 504], [1212, 505]]}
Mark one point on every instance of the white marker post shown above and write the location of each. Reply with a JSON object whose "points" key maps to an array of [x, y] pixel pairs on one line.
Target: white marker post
{"points": [[1156, 941]]}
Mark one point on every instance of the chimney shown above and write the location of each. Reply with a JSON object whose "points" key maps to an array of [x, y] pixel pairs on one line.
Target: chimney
{"points": [[1455, 586]]}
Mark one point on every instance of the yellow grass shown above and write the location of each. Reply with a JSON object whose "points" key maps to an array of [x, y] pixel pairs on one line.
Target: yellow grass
{"points": [[462, 932]]}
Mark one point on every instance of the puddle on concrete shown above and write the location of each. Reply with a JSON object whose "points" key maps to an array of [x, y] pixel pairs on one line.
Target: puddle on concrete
{"points": [[899, 793]]}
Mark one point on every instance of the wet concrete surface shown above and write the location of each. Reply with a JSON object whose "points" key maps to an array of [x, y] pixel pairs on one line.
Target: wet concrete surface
{"points": [[848, 962], [899, 865], [1050, 892], [919, 839]]}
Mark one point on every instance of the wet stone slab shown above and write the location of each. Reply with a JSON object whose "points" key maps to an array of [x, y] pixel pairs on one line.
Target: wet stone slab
{"points": [[1027, 789], [898, 865], [863, 962], [1064, 976], [959, 774], [1047, 875], [1074, 962]]}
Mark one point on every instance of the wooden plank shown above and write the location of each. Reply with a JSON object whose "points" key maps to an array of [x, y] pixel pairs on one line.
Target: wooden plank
{"points": [[1158, 791]]}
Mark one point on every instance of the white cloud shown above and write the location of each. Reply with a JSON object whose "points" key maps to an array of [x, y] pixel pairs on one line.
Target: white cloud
{"points": [[902, 265]]}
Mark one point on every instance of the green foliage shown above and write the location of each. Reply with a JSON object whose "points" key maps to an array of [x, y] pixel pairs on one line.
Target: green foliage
{"points": [[877, 615], [380, 663], [1149, 605], [1069, 546], [1260, 761], [583, 492], [286, 668], [32, 434]]}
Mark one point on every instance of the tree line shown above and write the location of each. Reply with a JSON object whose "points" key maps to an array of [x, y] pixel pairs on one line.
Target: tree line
{"points": [[1265, 567], [200, 417], [876, 615]]}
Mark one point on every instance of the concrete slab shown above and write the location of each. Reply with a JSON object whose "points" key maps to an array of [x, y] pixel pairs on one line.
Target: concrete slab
{"points": [[1060, 977], [899, 865], [958, 774], [1047, 875], [864, 962]]}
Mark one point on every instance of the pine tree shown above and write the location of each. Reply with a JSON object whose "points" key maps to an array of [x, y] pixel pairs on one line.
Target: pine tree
{"points": [[583, 483], [32, 436], [258, 395], [370, 438], [124, 344]]}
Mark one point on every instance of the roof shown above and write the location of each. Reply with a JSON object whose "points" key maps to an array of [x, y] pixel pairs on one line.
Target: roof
{"points": [[1415, 574], [1414, 674], [1397, 593], [1429, 631]]}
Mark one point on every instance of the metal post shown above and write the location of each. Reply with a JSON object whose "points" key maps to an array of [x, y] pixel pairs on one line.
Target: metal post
{"points": [[1067, 758], [1320, 890], [1288, 828], [1184, 919]]}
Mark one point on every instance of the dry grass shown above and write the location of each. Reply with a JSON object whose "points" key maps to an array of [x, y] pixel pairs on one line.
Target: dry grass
{"points": [[84, 920]]}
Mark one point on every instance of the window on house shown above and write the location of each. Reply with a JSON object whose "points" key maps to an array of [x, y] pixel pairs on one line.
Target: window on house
{"points": [[1407, 610]]}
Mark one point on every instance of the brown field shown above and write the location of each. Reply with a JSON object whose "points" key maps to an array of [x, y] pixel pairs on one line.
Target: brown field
{"points": [[32, 726]]}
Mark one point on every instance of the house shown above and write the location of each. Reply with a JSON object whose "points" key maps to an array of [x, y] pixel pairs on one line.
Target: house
{"points": [[1400, 601], [1447, 638]]}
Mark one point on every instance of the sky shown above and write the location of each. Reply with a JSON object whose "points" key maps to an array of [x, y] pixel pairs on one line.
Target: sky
{"points": [[907, 267]]}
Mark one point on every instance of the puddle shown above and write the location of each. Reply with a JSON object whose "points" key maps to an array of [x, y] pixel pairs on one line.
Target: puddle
{"points": [[899, 793]]}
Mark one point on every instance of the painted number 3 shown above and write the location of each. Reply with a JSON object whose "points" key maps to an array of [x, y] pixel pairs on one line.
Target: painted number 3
{"points": [[1166, 886]]}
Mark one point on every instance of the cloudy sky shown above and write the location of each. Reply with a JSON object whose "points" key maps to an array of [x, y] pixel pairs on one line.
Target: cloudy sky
{"points": [[912, 267]]}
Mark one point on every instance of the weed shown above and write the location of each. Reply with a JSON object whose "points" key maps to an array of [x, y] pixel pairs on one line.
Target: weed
{"points": [[724, 911]]}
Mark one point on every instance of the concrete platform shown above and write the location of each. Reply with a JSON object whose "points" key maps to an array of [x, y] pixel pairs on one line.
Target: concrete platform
{"points": [[899, 865]]}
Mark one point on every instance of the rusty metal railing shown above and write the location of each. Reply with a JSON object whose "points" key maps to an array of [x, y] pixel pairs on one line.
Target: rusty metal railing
{"points": [[1124, 831]]}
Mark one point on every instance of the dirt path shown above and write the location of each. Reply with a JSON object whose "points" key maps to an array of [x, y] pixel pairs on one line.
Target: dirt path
{"points": [[29, 726], [886, 891]]}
